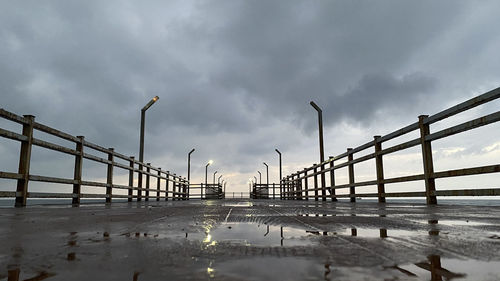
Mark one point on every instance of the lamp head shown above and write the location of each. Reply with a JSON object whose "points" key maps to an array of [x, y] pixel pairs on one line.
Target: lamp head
{"points": [[315, 106]]}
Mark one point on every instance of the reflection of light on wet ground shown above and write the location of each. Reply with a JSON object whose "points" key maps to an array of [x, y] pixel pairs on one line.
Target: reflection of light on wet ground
{"points": [[240, 204], [452, 222], [253, 234], [381, 233], [270, 268], [461, 222]]}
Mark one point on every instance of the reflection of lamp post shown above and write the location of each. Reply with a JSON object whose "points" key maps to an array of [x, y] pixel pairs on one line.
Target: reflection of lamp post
{"points": [[321, 149], [214, 176], [260, 177], [206, 171], [141, 142], [189, 164], [267, 172]]}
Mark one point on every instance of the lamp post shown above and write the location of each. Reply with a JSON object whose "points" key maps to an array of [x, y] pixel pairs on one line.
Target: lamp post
{"points": [[189, 164], [267, 172], [279, 153], [141, 142], [260, 177], [218, 180], [214, 176], [321, 148], [206, 172], [143, 121]]}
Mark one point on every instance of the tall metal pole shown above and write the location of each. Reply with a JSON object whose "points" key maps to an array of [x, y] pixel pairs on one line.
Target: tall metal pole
{"points": [[280, 163], [141, 143], [189, 164], [214, 176], [281, 191], [321, 148], [218, 180], [143, 121], [267, 172], [206, 172], [260, 177]]}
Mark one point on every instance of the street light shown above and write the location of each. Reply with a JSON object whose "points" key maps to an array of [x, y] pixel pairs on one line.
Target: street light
{"points": [[218, 180], [260, 177], [280, 173], [267, 172], [214, 176], [141, 142], [206, 171], [321, 149], [143, 120], [189, 164]]}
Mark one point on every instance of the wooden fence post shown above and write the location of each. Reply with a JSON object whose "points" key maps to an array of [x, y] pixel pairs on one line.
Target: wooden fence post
{"points": [[166, 185], [323, 182], [380, 169], [299, 186], [109, 182], [332, 180], [306, 185], [315, 183], [430, 184], [131, 179], [139, 183], [174, 187], [24, 162], [148, 170], [77, 173], [158, 182], [352, 189]]}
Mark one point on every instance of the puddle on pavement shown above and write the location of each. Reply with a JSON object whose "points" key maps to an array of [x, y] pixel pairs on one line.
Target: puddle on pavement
{"points": [[296, 268], [252, 234], [461, 223], [437, 268], [453, 222], [240, 204], [379, 233], [268, 268]]}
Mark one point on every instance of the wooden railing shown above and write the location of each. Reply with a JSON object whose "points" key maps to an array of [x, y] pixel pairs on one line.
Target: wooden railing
{"points": [[175, 187], [296, 185], [215, 191], [265, 191]]}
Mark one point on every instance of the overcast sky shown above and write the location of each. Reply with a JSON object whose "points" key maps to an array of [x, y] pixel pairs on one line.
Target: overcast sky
{"points": [[235, 77]]}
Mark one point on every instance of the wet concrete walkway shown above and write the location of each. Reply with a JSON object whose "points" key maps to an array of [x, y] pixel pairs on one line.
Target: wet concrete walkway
{"points": [[250, 240]]}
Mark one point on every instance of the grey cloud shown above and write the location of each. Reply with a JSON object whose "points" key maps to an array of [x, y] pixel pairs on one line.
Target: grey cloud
{"points": [[235, 79]]}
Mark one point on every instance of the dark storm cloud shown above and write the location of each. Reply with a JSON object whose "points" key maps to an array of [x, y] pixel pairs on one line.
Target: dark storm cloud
{"points": [[235, 78]]}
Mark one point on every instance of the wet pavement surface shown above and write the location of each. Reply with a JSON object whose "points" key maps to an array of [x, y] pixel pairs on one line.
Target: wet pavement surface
{"points": [[241, 239]]}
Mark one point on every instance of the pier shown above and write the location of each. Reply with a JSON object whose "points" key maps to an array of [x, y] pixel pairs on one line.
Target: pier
{"points": [[166, 227], [242, 239]]}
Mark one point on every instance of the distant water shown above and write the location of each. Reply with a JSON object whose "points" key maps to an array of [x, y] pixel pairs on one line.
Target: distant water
{"points": [[9, 202]]}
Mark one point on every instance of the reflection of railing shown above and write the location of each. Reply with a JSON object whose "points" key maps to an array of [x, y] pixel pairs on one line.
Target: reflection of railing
{"points": [[175, 187], [296, 186], [206, 191]]}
